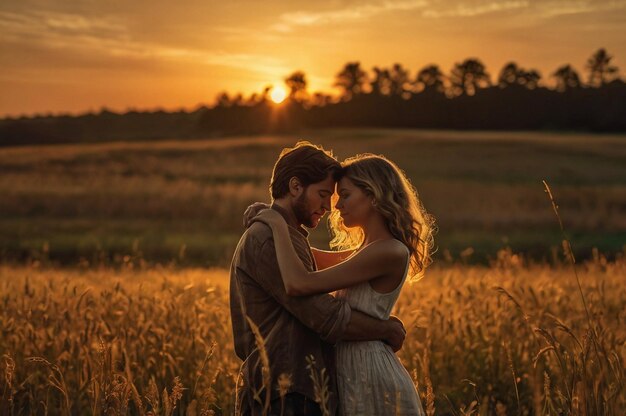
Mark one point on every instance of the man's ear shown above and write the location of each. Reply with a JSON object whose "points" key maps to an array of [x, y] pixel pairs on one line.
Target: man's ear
{"points": [[295, 187]]}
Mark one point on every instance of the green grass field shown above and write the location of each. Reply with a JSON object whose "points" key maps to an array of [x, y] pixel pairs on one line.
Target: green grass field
{"points": [[181, 201]]}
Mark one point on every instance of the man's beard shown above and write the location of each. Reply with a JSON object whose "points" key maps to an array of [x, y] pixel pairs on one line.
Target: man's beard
{"points": [[302, 213]]}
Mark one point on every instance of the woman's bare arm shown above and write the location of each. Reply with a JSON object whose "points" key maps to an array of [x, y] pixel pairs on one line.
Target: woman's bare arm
{"points": [[325, 259], [373, 261]]}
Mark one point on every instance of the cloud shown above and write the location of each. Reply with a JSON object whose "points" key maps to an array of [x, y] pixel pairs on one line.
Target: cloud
{"points": [[105, 36], [480, 8], [536, 8], [234, 33], [556, 8], [289, 21], [442, 8], [43, 24], [262, 64]]}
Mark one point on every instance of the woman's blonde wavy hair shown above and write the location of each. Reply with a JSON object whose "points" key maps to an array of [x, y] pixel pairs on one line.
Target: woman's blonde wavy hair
{"points": [[397, 200]]}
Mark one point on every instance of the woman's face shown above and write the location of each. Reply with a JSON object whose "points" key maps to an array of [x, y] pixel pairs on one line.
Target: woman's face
{"points": [[354, 205]]}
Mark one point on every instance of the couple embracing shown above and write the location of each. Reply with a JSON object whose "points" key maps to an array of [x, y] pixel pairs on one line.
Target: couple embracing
{"points": [[280, 288]]}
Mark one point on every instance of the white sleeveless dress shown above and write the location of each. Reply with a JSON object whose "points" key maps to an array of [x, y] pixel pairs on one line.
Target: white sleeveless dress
{"points": [[371, 380]]}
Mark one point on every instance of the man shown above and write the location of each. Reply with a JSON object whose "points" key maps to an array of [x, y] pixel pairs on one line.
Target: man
{"points": [[275, 333]]}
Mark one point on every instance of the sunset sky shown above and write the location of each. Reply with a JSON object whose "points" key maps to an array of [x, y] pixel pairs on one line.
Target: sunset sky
{"points": [[80, 55]]}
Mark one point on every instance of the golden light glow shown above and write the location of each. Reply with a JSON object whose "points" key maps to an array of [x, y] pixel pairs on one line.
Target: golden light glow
{"points": [[278, 94], [198, 59]]}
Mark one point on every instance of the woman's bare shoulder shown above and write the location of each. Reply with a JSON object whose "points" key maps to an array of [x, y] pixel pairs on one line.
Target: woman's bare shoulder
{"points": [[388, 249]]}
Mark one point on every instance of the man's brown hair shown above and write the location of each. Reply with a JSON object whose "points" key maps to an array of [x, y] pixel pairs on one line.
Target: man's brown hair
{"points": [[307, 162]]}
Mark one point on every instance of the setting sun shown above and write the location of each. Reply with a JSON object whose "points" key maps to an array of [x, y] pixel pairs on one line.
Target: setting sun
{"points": [[278, 95]]}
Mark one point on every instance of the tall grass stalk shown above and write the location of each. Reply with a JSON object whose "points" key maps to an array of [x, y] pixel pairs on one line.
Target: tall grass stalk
{"points": [[568, 250], [320, 381]]}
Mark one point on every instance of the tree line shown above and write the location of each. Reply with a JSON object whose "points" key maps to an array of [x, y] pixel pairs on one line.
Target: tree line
{"points": [[466, 98], [465, 78]]}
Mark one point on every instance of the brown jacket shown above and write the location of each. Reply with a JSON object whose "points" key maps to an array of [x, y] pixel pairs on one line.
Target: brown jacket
{"points": [[292, 327]]}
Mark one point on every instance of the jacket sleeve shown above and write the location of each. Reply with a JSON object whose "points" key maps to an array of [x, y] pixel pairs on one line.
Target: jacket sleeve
{"points": [[322, 313]]}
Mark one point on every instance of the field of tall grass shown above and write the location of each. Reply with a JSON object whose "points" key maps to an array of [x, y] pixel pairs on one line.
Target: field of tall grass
{"points": [[511, 338], [114, 293]]}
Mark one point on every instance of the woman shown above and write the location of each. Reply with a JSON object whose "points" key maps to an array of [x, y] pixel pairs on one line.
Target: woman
{"points": [[384, 232]]}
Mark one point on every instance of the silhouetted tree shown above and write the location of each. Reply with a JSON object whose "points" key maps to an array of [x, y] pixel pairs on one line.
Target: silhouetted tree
{"points": [[253, 99], [104, 111], [223, 100], [237, 99], [351, 79], [468, 76], [320, 99], [511, 74], [266, 92], [399, 80], [530, 79], [566, 78], [297, 84], [600, 69], [381, 84], [430, 78]]}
